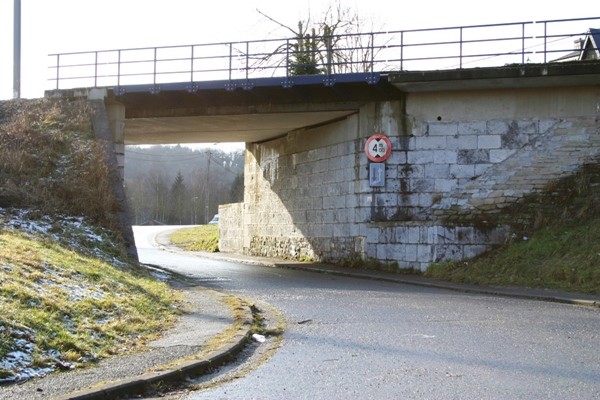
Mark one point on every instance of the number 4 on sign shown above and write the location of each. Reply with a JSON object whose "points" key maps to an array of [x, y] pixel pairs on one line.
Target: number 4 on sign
{"points": [[378, 148]]}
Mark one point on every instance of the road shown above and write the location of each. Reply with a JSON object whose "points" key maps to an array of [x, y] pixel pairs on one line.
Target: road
{"points": [[348, 338]]}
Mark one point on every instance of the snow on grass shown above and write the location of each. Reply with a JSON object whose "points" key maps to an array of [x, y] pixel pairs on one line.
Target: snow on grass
{"points": [[73, 232], [37, 283]]}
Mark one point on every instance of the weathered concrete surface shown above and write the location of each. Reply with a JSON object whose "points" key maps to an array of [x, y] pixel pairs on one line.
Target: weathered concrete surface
{"points": [[455, 154]]}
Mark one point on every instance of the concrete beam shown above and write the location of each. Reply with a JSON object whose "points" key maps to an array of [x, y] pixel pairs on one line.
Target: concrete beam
{"points": [[247, 128], [507, 77]]}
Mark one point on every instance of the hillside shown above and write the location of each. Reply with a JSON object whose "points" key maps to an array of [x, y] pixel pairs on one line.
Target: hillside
{"points": [[69, 294], [555, 242], [179, 185]]}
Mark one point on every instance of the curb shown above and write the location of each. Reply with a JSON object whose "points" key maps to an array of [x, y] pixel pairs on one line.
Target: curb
{"points": [[180, 371], [451, 286], [518, 293]]}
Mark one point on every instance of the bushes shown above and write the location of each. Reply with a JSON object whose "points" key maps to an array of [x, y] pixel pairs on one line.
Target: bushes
{"points": [[50, 161]]}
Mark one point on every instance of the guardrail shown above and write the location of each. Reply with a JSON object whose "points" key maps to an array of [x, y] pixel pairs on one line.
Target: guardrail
{"points": [[360, 55]]}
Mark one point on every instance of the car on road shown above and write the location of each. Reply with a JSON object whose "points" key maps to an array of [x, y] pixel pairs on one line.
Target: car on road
{"points": [[215, 220]]}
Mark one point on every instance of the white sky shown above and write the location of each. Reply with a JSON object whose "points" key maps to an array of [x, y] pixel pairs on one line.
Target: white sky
{"points": [[58, 26]]}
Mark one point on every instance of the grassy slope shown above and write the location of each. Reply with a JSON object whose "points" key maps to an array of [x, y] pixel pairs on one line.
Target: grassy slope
{"points": [[80, 306], [565, 257], [66, 295], [199, 238]]}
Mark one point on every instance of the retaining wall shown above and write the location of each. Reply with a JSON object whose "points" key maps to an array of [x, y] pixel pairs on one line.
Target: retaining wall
{"points": [[455, 165]]}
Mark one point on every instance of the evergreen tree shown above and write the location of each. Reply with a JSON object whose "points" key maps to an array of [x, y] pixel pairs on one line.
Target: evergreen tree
{"points": [[178, 201]]}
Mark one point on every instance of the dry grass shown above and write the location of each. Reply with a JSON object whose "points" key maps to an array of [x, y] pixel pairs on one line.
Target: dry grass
{"points": [[69, 295], [49, 160], [199, 238], [78, 306]]}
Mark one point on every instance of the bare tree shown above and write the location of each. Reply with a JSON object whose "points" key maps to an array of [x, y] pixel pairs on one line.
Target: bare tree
{"points": [[334, 44]]}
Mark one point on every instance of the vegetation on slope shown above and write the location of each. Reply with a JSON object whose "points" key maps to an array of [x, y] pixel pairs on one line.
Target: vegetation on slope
{"points": [[62, 308], [557, 248], [49, 160], [558, 257], [69, 294], [199, 238]]}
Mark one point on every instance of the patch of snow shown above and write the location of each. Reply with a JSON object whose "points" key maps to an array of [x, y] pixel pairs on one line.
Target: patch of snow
{"points": [[19, 361], [74, 233]]}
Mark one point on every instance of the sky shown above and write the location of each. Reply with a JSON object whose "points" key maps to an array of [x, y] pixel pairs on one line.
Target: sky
{"points": [[58, 26]]}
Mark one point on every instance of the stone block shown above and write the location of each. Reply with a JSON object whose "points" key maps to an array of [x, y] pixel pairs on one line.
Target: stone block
{"points": [[489, 142], [445, 156], [442, 129], [466, 142], [431, 142], [470, 251], [372, 235], [397, 157], [461, 171], [341, 230], [433, 171], [499, 155], [411, 171], [445, 185], [479, 156], [396, 252], [528, 126], [421, 185], [546, 125], [472, 128], [480, 169], [420, 157], [411, 252], [425, 253], [498, 127], [447, 252]]}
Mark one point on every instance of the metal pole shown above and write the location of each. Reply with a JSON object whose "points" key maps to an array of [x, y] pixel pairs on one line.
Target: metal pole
{"points": [[17, 50], [207, 189]]}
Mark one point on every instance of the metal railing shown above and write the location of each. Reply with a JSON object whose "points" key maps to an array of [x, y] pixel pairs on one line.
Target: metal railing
{"points": [[361, 55]]}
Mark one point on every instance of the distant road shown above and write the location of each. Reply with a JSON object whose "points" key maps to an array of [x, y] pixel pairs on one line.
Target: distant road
{"points": [[349, 338]]}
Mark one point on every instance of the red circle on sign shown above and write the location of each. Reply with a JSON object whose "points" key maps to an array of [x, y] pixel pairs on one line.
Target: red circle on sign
{"points": [[378, 148]]}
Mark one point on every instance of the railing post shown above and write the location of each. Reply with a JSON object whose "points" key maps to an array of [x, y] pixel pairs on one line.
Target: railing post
{"points": [[230, 58], [460, 56], [287, 58], [247, 59], [192, 65], [545, 40], [154, 72], [96, 69], [401, 50], [57, 71], [523, 43], [118, 68], [372, 52]]}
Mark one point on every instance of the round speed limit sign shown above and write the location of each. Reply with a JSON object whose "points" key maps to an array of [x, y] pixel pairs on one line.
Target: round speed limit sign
{"points": [[378, 148]]}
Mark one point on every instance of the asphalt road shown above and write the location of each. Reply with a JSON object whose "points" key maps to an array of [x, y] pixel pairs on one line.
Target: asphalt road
{"points": [[348, 338]]}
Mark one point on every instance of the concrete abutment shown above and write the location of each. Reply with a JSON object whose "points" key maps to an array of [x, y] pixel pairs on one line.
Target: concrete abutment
{"points": [[459, 159]]}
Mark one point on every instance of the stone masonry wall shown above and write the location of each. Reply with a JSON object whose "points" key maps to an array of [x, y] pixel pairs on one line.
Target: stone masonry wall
{"points": [[230, 229], [446, 182], [302, 205]]}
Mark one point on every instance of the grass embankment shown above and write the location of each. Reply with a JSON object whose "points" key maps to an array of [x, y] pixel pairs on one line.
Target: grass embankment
{"points": [[564, 257], [198, 238], [74, 308], [69, 295]]}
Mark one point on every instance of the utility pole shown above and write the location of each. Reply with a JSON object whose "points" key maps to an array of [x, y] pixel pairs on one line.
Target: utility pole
{"points": [[207, 187], [17, 50]]}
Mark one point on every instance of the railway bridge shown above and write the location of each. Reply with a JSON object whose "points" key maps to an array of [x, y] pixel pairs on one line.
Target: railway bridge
{"points": [[406, 149]]}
